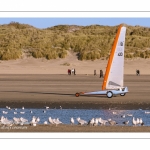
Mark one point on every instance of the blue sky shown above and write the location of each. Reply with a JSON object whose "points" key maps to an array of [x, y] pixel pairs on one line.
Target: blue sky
{"points": [[49, 22]]}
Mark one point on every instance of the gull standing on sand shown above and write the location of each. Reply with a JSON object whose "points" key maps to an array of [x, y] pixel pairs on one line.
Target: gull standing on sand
{"points": [[57, 121], [96, 122], [102, 122], [112, 122], [134, 122], [72, 120], [45, 122], [50, 120], [81, 122], [91, 122]]}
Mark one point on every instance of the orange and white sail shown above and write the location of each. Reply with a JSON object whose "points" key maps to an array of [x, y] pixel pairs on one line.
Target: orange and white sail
{"points": [[114, 75]]}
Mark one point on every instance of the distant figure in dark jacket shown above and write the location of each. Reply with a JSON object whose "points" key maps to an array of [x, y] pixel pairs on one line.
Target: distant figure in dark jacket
{"points": [[94, 72], [74, 71], [137, 72], [101, 73]]}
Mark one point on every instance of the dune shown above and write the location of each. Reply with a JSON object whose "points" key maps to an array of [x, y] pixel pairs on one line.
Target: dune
{"points": [[30, 65]]}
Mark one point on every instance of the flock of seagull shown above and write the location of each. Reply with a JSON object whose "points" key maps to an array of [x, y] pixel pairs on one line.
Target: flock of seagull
{"points": [[55, 121]]}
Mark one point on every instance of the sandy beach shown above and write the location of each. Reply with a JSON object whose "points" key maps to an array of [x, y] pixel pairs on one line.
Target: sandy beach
{"points": [[30, 65], [36, 83]]}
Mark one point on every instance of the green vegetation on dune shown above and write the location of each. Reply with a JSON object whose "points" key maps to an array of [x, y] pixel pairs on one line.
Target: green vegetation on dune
{"points": [[89, 42]]}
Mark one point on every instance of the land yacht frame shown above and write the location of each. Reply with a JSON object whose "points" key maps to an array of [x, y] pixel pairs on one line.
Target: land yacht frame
{"points": [[114, 75]]}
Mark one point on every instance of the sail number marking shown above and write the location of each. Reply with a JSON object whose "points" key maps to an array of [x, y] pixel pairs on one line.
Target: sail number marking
{"points": [[120, 54]]}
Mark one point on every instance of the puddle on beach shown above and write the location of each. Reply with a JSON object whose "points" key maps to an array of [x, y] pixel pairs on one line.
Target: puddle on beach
{"points": [[64, 115]]}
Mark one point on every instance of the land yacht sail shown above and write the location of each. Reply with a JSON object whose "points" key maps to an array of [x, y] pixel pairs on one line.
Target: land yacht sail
{"points": [[114, 75], [113, 83]]}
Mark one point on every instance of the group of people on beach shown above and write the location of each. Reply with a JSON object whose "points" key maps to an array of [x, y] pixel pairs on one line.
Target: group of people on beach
{"points": [[71, 71], [101, 73]]}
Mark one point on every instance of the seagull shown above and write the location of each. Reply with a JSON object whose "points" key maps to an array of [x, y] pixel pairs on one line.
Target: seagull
{"points": [[45, 122], [60, 107], [72, 120], [15, 113], [5, 112], [140, 121], [8, 107], [102, 122], [112, 122], [31, 111], [130, 115], [126, 122], [22, 107], [15, 109], [114, 112], [123, 116], [23, 120], [22, 112], [50, 120], [91, 122], [96, 120], [80, 121], [37, 119], [57, 121], [134, 122], [46, 107], [44, 111]]}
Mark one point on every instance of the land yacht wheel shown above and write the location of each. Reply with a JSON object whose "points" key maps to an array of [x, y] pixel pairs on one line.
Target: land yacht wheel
{"points": [[77, 94], [109, 94], [123, 94]]}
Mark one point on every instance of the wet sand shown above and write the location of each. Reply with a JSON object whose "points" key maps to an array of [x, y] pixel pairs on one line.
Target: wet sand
{"points": [[38, 91]]}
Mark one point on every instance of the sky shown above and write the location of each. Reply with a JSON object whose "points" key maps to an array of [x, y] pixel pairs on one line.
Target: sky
{"points": [[49, 22]]}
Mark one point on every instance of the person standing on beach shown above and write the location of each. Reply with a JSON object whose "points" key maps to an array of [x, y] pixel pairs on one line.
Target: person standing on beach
{"points": [[101, 73], [74, 71], [137, 72], [94, 72]]}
